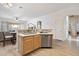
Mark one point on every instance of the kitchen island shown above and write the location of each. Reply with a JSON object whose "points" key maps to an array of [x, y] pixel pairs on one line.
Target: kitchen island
{"points": [[29, 42]]}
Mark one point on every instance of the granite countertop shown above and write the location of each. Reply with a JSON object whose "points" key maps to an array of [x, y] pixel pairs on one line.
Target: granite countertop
{"points": [[23, 35]]}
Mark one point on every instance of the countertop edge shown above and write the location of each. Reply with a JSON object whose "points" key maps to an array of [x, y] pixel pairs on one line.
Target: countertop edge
{"points": [[23, 35]]}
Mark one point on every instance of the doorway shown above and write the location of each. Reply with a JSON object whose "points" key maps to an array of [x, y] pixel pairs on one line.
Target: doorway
{"points": [[72, 30]]}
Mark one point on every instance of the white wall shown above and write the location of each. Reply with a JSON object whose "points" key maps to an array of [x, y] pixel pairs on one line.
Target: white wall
{"points": [[0, 26], [46, 24], [77, 24], [3, 26], [60, 18], [56, 21]]}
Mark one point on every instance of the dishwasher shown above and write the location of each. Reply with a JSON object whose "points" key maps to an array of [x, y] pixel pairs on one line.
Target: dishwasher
{"points": [[46, 40]]}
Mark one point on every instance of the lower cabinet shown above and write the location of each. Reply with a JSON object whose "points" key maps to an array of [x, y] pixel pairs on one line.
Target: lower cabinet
{"points": [[29, 43], [37, 41]]}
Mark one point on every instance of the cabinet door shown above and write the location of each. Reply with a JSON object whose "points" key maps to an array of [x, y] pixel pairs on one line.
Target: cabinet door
{"points": [[37, 42], [27, 45]]}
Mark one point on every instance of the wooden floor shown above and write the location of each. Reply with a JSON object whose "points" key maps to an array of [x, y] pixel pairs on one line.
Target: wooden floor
{"points": [[60, 48]]}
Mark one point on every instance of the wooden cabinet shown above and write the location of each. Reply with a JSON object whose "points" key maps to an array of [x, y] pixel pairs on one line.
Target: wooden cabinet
{"points": [[29, 43], [37, 41]]}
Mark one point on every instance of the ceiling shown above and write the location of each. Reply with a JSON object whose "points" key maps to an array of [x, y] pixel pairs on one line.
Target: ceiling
{"points": [[32, 10]]}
